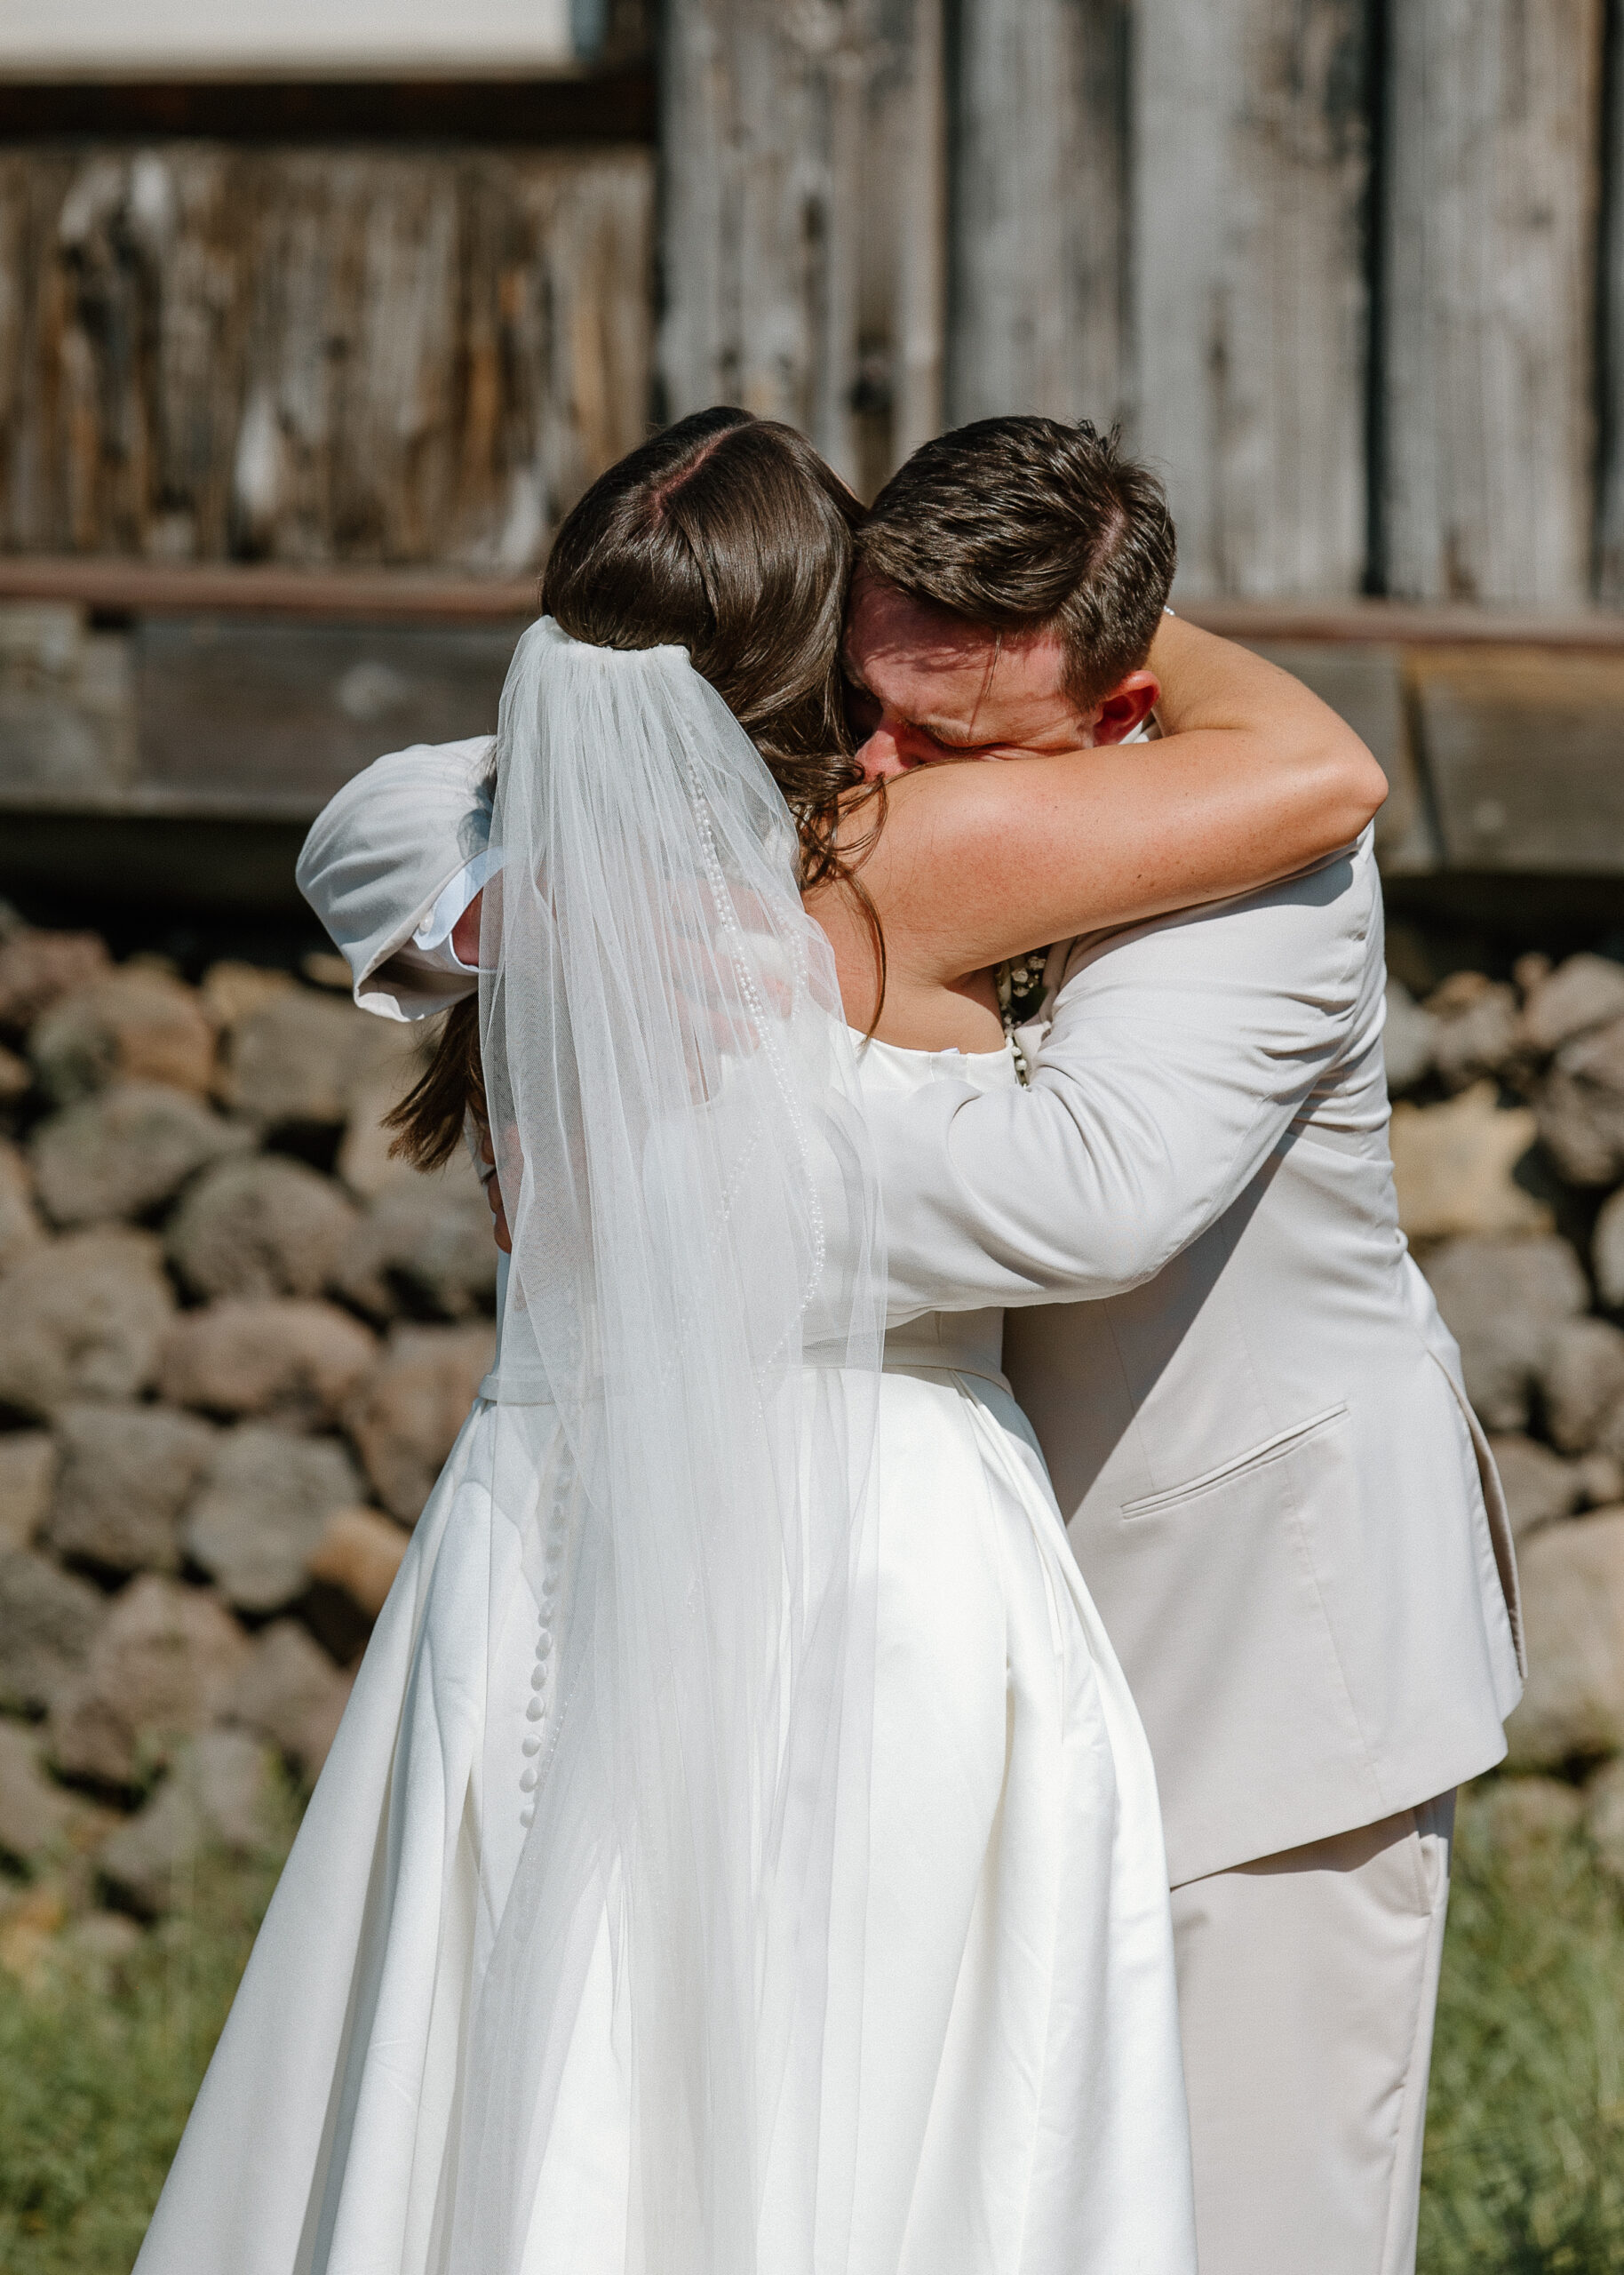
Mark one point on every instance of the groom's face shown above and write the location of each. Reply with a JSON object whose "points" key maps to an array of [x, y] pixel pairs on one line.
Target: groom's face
{"points": [[925, 688]]}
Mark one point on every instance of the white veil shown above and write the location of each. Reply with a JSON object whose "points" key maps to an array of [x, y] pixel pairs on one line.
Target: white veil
{"points": [[689, 1358]]}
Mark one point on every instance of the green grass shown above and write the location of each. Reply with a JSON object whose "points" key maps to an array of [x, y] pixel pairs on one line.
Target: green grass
{"points": [[1525, 2133], [1524, 2170], [98, 2070]]}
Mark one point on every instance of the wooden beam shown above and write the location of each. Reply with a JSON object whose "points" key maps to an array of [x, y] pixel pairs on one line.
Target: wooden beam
{"points": [[1250, 298], [109, 586], [1489, 274]]}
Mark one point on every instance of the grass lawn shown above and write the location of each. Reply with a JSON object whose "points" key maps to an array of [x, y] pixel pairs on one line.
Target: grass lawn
{"points": [[1526, 2137]]}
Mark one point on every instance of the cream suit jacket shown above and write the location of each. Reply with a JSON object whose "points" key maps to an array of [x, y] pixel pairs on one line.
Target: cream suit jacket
{"points": [[1252, 1412]]}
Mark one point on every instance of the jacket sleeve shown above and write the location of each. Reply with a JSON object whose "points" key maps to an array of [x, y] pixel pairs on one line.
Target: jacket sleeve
{"points": [[1180, 1055], [377, 858]]}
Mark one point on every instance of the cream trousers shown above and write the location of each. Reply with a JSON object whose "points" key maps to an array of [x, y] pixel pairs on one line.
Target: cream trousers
{"points": [[1307, 1986]]}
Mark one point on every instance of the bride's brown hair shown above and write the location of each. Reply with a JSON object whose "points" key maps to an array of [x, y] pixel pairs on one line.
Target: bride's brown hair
{"points": [[726, 535]]}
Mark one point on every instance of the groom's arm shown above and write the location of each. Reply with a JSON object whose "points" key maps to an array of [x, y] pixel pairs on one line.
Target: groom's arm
{"points": [[1181, 1054], [380, 860]]}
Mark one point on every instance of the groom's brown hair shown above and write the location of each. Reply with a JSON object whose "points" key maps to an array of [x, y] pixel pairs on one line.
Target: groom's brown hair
{"points": [[1025, 524]]}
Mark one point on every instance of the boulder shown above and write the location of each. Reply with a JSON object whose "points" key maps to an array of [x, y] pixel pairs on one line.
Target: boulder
{"points": [[16, 1077], [35, 1813], [364, 1161], [231, 990], [1585, 992], [160, 1663], [127, 1473], [220, 1795], [28, 1473], [21, 1230], [1452, 1167], [1581, 1376], [1540, 1487], [360, 1552], [82, 1318], [1478, 1030], [1608, 1252], [135, 1025], [38, 968], [1517, 1814], [298, 1059], [125, 1151], [405, 1419], [1500, 1300], [273, 1356], [1601, 1475], [263, 1510], [289, 1692], [1580, 1107], [260, 1226], [1406, 1037], [1604, 1818], [1573, 1578], [49, 1621], [424, 1247]]}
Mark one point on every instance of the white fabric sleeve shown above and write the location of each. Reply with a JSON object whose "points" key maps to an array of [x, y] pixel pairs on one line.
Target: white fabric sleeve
{"points": [[383, 856], [1180, 1054]]}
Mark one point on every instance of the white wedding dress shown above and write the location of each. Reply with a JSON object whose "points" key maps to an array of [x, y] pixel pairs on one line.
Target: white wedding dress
{"points": [[1012, 2013]]}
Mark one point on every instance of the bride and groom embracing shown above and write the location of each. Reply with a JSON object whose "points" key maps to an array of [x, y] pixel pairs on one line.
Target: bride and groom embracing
{"points": [[968, 1451]]}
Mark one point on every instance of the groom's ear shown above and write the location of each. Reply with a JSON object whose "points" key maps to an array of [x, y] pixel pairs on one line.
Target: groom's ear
{"points": [[1127, 707]]}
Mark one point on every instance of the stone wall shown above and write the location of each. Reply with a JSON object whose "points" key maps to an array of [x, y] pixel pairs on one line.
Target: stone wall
{"points": [[236, 1341]]}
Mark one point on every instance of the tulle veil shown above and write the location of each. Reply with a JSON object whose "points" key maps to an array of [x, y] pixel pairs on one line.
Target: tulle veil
{"points": [[690, 1349]]}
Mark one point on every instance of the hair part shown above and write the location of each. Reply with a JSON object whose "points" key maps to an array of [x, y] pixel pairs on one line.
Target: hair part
{"points": [[1024, 525], [728, 536]]}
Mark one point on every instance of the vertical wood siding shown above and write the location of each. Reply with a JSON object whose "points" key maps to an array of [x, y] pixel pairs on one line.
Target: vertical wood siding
{"points": [[1489, 262], [316, 355]]}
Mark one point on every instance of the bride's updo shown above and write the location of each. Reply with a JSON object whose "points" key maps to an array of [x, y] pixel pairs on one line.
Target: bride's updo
{"points": [[726, 535]]}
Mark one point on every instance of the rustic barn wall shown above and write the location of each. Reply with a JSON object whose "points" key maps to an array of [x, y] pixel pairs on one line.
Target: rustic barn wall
{"points": [[316, 355], [1489, 262], [1251, 130]]}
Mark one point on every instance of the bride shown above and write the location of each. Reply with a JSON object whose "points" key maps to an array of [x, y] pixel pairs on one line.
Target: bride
{"points": [[741, 1854]]}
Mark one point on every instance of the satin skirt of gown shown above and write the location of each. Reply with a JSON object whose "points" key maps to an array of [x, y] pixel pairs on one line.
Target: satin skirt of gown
{"points": [[1010, 2002]]}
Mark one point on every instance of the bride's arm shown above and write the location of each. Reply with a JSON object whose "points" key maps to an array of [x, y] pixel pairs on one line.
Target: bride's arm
{"points": [[1253, 779]]}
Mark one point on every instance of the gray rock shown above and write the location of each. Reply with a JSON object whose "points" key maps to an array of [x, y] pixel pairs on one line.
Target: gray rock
{"points": [[1483, 1036], [158, 1667], [220, 1795], [1604, 1818], [1517, 1814], [1500, 1300], [231, 990], [289, 1692], [135, 1025], [1540, 1487], [28, 1473], [406, 1416], [1454, 1167], [37, 968], [265, 1509], [1573, 1578], [360, 1552], [1585, 992], [1601, 1476], [1582, 1382], [35, 1813], [126, 1149], [127, 1473], [278, 1355], [48, 1622], [262, 1227], [298, 1059], [1608, 1252], [21, 1230], [1580, 1107], [1407, 1038], [425, 1249], [82, 1319]]}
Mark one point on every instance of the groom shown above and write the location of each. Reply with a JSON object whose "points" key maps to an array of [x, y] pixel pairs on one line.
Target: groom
{"points": [[1251, 1413]]}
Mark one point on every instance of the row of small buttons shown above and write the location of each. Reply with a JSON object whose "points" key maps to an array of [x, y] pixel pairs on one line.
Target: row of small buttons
{"points": [[552, 1566]]}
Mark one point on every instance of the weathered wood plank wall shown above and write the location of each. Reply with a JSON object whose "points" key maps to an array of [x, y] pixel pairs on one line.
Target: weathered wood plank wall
{"points": [[316, 355], [1488, 487]]}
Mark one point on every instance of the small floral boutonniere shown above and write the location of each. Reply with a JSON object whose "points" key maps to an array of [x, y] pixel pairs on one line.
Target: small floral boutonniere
{"points": [[1020, 992]]}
